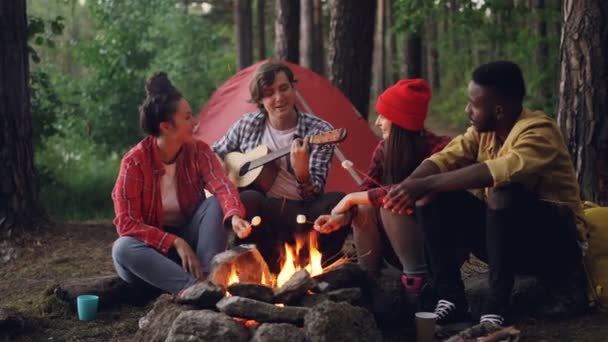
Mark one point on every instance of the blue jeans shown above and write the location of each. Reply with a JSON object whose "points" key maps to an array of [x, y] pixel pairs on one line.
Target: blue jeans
{"points": [[135, 262]]}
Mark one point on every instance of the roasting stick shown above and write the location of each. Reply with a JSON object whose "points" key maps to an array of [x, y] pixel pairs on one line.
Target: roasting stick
{"points": [[348, 165]]}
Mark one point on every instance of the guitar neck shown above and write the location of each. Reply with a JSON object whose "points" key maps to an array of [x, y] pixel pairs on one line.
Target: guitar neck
{"points": [[269, 157]]}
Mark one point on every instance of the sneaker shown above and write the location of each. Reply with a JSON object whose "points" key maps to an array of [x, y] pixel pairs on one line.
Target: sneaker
{"points": [[451, 318]]}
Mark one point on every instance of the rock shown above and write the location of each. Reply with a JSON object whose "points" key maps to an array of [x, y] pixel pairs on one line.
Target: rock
{"points": [[278, 332], [531, 296], [331, 321], [247, 262], [346, 275], [155, 325], [206, 325], [112, 291], [259, 292], [296, 287], [262, 312], [388, 302], [203, 295], [350, 295], [11, 322]]}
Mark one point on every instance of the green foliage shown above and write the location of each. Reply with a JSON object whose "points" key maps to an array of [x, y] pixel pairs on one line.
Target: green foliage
{"points": [[90, 82], [476, 32]]}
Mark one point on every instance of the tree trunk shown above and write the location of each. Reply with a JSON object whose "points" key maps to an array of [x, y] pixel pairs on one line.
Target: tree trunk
{"points": [[392, 73], [583, 93], [261, 22], [244, 32], [287, 30], [307, 36], [432, 55], [379, 55], [351, 35], [318, 53], [542, 48], [19, 204], [413, 56]]}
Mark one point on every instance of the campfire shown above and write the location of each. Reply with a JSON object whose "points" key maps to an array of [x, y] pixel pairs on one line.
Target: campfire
{"points": [[304, 255], [299, 298]]}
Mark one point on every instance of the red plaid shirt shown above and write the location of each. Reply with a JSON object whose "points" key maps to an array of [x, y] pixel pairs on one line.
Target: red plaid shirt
{"points": [[434, 144], [137, 198]]}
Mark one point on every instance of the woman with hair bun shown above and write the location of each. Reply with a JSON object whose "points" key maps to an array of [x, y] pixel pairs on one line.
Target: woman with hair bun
{"points": [[168, 230]]}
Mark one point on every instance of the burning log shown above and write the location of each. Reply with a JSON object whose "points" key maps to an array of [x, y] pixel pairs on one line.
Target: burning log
{"points": [[253, 291], [262, 312], [203, 295], [350, 295], [295, 288], [246, 260], [343, 276]]}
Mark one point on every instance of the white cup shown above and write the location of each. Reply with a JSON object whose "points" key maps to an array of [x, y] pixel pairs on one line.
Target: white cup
{"points": [[425, 326]]}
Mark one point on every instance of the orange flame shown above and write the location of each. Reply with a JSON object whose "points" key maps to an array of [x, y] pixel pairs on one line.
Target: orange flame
{"points": [[292, 262]]}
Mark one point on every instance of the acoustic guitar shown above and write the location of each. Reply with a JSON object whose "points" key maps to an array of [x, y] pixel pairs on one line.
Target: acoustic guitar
{"points": [[256, 168]]}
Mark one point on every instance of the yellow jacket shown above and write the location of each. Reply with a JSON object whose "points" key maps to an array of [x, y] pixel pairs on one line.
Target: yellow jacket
{"points": [[534, 154]]}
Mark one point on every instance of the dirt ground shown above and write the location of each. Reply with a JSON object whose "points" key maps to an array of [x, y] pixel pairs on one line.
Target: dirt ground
{"points": [[82, 249]]}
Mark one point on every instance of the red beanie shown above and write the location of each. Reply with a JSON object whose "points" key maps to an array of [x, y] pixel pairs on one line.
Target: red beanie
{"points": [[405, 103]]}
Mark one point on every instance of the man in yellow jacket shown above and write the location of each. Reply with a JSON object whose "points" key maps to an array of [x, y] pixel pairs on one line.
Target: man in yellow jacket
{"points": [[529, 219]]}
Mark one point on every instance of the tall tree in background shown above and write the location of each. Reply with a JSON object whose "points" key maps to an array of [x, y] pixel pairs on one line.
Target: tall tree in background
{"points": [[307, 36], [583, 94], [261, 29], [311, 35], [413, 55], [351, 34], [244, 32], [19, 204], [318, 23], [287, 30], [542, 48], [379, 76], [432, 55]]}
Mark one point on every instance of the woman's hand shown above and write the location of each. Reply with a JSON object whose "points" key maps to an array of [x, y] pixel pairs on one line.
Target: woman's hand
{"points": [[241, 227], [190, 261], [326, 224], [349, 200]]}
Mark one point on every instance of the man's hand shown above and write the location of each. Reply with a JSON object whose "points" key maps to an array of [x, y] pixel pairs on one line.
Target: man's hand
{"points": [[190, 262], [241, 227], [299, 157], [326, 224], [403, 196]]}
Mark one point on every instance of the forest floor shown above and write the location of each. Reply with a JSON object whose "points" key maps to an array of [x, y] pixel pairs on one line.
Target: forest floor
{"points": [[75, 250]]}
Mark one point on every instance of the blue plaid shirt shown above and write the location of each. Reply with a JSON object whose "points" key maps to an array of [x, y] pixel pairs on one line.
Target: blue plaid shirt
{"points": [[246, 134]]}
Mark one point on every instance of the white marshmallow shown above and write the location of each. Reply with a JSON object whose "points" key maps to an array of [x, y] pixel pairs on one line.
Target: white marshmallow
{"points": [[256, 220], [347, 164], [301, 219]]}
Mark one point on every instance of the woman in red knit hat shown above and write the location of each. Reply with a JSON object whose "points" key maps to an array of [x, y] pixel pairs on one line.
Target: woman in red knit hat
{"points": [[402, 109]]}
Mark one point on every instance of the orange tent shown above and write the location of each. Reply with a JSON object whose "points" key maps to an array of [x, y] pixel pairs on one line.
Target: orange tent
{"points": [[317, 96]]}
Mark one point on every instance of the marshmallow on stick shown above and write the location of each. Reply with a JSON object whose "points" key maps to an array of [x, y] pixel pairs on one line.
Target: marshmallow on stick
{"points": [[301, 219], [347, 164], [256, 220]]}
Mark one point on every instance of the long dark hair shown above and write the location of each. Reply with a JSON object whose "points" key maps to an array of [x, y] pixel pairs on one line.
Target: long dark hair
{"points": [[403, 152]]}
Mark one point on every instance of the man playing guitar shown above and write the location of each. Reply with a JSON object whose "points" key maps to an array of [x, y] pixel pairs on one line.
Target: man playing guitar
{"points": [[298, 187]]}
